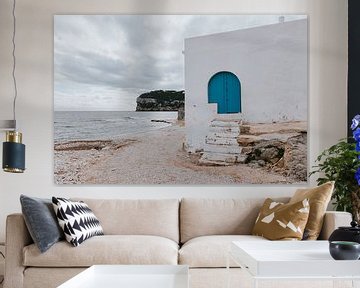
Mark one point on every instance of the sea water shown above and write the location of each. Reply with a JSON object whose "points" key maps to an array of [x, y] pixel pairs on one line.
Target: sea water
{"points": [[106, 125]]}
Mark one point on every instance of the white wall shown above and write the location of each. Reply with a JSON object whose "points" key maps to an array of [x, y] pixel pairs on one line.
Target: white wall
{"points": [[271, 64], [327, 107]]}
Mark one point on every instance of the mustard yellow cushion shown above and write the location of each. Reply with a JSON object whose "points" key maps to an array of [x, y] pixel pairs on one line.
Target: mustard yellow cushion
{"points": [[279, 221], [319, 198]]}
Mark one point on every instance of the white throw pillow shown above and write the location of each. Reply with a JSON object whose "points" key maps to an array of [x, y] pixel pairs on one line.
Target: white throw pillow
{"points": [[76, 220]]}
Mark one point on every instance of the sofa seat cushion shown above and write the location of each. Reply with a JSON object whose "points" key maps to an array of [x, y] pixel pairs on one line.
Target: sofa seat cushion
{"points": [[211, 251], [107, 249]]}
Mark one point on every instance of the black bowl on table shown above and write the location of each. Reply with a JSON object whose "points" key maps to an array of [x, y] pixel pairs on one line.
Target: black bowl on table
{"points": [[344, 250]]}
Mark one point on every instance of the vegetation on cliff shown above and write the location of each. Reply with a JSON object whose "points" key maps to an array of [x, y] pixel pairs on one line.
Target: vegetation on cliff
{"points": [[160, 100]]}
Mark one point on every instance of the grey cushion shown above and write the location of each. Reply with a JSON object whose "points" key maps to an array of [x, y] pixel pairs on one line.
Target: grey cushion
{"points": [[41, 221]]}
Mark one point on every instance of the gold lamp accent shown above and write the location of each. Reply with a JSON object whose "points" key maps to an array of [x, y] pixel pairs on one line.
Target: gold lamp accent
{"points": [[14, 136]]}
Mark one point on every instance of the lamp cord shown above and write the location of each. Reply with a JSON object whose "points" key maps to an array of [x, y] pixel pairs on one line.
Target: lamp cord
{"points": [[14, 61], [2, 280]]}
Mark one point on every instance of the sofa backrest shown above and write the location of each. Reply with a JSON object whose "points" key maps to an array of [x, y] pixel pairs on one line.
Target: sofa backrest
{"points": [[200, 217], [159, 217]]}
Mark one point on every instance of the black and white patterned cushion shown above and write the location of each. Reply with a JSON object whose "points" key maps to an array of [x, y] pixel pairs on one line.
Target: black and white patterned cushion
{"points": [[77, 220]]}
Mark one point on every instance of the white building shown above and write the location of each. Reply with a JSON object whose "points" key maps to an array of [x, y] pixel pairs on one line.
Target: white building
{"points": [[255, 75]]}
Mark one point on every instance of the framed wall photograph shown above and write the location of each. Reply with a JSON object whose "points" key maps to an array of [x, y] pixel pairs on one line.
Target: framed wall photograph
{"points": [[180, 99]]}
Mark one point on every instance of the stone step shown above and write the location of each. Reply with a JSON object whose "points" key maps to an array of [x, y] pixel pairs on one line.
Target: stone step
{"points": [[231, 129], [223, 135], [221, 159], [231, 119], [218, 123], [266, 128], [229, 149], [206, 162], [221, 141], [246, 140]]}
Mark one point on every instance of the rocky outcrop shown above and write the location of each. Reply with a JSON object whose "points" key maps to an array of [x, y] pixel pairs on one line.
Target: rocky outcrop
{"points": [[277, 147], [280, 147], [295, 157], [160, 100]]}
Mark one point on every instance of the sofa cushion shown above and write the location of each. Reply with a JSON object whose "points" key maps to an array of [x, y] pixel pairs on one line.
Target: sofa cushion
{"points": [[279, 221], [319, 198], [35, 277], [107, 249], [158, 217], [76, 220], [201, 217], [41, 221], [211, 251]]}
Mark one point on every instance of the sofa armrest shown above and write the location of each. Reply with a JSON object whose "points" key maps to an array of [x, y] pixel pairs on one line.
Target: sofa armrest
{"points": [[333, 220], [17, 237]]}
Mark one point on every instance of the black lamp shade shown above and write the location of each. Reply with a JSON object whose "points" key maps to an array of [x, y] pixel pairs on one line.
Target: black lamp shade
{"points": [[13, 157]]}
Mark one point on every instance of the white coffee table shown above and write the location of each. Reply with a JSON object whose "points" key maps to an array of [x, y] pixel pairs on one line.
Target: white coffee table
{"points": [[131, 276], [297, 260]]}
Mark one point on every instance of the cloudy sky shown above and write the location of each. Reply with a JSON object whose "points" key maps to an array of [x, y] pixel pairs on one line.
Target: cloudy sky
{"points": [[103, 62]]}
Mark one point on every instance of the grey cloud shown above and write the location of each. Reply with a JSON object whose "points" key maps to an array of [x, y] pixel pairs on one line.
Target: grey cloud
{"points": [[90, 68], [104, 62], [136, 69]]}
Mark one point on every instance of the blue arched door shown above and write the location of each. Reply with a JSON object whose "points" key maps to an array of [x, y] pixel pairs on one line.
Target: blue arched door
{"points": [[224, 88]]}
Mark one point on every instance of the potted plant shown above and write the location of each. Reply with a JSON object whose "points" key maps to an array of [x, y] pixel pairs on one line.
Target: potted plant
{"points": [[341, 163]]}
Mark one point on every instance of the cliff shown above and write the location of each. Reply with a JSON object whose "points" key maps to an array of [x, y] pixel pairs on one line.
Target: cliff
{"points": [[160, 100]]}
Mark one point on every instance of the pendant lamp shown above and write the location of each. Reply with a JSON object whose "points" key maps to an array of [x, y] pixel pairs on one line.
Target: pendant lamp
{"points": [[13, 159]]}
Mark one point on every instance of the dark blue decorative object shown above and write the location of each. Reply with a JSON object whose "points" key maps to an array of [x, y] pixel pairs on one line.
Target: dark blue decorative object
{"points": [[13, 153], [344, 250]]}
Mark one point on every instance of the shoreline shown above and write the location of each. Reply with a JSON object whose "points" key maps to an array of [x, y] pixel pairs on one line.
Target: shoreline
{"points": [[153, 157], [169, 122]]}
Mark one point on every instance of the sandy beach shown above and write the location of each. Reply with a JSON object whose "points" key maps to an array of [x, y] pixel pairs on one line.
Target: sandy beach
{"points": [[155, 157]]}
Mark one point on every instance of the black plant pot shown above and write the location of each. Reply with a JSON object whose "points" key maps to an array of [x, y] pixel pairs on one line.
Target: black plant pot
{"points": [[351, 234], [344, 250]]}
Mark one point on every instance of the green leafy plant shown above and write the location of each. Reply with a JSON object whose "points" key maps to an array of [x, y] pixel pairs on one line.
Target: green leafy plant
{"points": [[341, 163]]}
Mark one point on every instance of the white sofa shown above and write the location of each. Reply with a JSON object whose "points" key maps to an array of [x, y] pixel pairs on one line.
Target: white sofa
{"points": [[194, 232]]}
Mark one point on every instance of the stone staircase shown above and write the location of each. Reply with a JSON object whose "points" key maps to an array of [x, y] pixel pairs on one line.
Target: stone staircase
{"points": [[221, 145]]}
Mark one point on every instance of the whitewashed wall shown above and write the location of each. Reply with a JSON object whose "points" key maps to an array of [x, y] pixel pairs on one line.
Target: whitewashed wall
{"points": [[327, 107], [271, 64]]}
